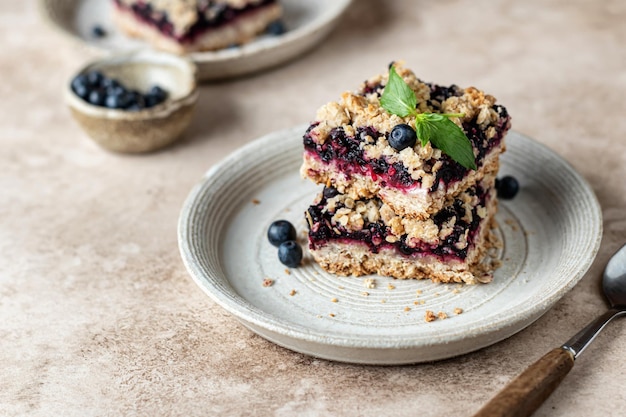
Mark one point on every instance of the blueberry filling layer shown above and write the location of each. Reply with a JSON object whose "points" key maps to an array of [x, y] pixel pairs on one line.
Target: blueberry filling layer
{"points": [[347, 154], [323, 230], [211, 15]]}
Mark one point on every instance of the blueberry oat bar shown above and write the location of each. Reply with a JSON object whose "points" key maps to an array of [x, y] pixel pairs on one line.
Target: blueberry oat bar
{"points": [[347, 146], [183, 26], [365, 236]]}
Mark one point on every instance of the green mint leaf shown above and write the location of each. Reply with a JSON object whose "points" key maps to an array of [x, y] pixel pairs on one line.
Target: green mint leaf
{"points": [[444, 134], [423, 128], [398, 98], [426, 125]]}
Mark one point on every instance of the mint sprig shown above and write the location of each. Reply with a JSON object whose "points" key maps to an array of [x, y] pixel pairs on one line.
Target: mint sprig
{"points": [[399, 99]]}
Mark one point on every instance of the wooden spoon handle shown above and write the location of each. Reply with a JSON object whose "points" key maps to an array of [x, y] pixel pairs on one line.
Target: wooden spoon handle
{"points": [[522, 396]]}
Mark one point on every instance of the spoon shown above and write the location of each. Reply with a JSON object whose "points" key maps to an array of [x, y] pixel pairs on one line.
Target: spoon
{"points": [[522, 396]]}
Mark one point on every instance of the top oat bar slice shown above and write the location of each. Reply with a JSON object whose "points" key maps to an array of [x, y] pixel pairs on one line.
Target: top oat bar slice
{"points": [[184, 26], [346, 146]]}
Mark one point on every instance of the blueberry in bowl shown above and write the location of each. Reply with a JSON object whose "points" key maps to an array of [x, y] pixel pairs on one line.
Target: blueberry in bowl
{"points": [[136, 102]]}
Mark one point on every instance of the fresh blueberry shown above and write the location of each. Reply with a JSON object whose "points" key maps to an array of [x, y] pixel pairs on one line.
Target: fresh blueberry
{"points": [[155, 96], [82, 91], [290, 253], [507, 187], [281, 231], [79, 80], [136, 101], [95, 78], [158, 92], [96, 97], [110, 83], [150, 101], [98, 32], [79, 86], [116, 101], [116, 91], [402, 136], [112, 102], [276, 28]]}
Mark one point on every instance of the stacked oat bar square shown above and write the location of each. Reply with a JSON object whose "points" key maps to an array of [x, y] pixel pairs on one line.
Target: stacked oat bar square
{"points": [[413, 213]]}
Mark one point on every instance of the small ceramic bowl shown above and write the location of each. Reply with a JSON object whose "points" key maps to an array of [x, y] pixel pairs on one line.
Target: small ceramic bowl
{"points": [[144, 130]]}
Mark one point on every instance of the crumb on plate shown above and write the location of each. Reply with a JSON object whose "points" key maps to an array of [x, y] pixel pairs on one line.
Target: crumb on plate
{"points": [[430, 316], [369, 283]]}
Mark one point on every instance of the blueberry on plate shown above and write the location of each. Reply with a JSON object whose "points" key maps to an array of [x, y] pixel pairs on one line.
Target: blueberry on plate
{"points": [[290, 254], [281, 231], [276, 28], [402, 136], [507, 187], [98, 32]]}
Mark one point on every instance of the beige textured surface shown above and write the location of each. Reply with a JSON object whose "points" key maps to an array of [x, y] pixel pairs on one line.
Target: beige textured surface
{"points": [[97, 314]]}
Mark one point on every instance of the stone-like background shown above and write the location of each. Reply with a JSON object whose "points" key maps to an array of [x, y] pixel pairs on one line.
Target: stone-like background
{"points": [[97, 313]]}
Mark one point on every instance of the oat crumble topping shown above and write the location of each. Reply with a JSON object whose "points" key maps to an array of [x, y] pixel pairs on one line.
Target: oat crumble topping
{"points": [[360, 115]]}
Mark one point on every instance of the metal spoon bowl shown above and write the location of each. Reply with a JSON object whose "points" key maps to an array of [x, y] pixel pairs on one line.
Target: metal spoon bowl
{"points": [[522, 396]]}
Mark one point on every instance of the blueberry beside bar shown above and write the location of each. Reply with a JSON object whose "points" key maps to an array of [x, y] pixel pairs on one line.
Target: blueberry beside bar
{"points": [[184, 26], [365, 236], [347, 146]]}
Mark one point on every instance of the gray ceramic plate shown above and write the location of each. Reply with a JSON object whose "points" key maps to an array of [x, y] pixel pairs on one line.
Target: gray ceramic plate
{"points": [[551, 231], [308, 22]]}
